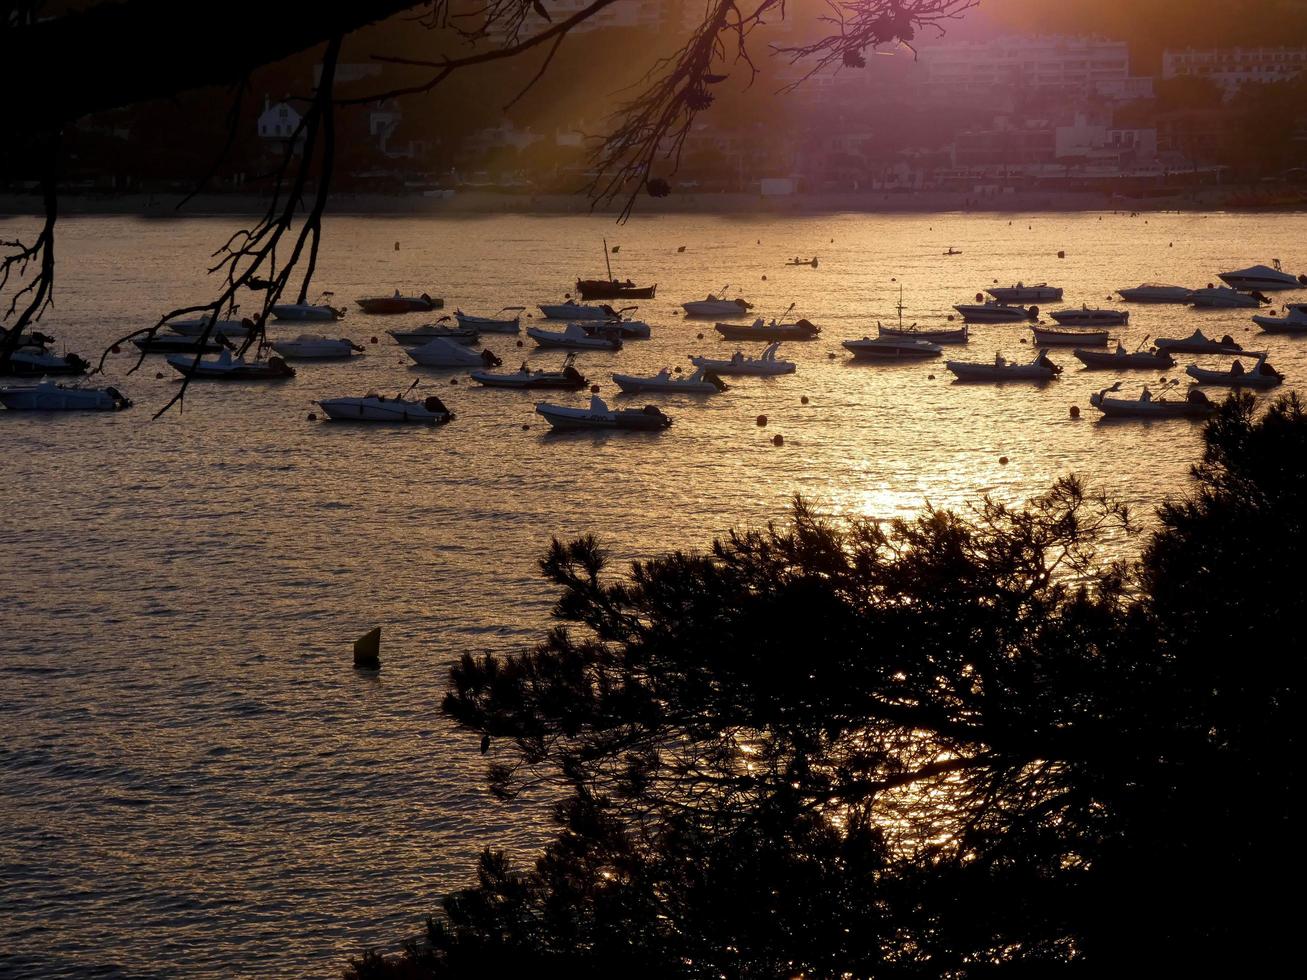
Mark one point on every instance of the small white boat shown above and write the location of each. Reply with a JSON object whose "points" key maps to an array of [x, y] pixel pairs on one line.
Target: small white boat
{"points": [[578, 311], [1224, 298], [1194, 405], [712, 306], [1048, 337], [222, 328], [621, 329], [1021, 293], [1120, 358], [491, 324], [311, 346], [701, 382], [307, 311], [1198, 343], [1294, 320], [171, 343], [991, 311], [573, 337], [1040, 369], [600, 416], [50, 397], [568, 378], [439, 352], [392, 305], [764, 365], [430, 331], [1155, 292], [1086, 317], [960, 335], [1263, 278], [373, 407], [892, 349], [35, 361], [227, 367], [1262, 375]]}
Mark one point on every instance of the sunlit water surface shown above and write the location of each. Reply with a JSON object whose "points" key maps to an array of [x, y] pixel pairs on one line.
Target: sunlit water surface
{"points": [[193, 782]]}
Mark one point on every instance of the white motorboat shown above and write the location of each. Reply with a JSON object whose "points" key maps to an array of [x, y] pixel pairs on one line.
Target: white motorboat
{"points": [[621, 329], [991, 311], [1155, 292], [307, 311], [35, 361], [312, 346], [1039, 369], [1198, 343], [195, 327], [50, 397], [600, 416], [430, 331], [1086, 317], [228, 367], [892, 349], [578, 311], [1294, 320], [171, 343], [568, 378], [373, 407], [712, 306], [1021, 293], [758, 330], [1153, 359], [491, 324], [573, 337], [1048, 337], [1263, 279], [1194, 405], [764, 365], [959, 335], [1262, 375], [398, 303], [439, 352], [701, 382], [1225, 298]]}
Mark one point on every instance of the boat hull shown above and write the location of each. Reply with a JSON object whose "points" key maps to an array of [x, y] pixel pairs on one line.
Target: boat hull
{"points": [[706, 308], [1178, 295], [295, 311], [958, 336], [994, 314], [556, 382], [1090, 318], [56, 398], [1059, 338], [1286, 325], [603, 289], [732, 331], [1142, 361], [891, 350], [1129, 408], [570, 311], [381, 410], [574, 419], [636, 386], [989, 372], [1025, 294], [487, 325], [413, 338], [1224, 379], [392, 305]]}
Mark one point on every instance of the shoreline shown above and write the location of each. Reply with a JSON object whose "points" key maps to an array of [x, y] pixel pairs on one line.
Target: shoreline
{"points": [[164, 204]]}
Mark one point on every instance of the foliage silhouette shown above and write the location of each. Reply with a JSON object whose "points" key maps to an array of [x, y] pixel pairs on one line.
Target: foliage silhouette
{"points": [[955, 746]]}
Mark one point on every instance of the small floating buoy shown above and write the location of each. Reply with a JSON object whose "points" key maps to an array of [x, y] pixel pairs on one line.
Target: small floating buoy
{"points": [[116, 349], [681, 249], [1002, 461], [762, 421], [158, 375], [701, 336], [519, 343], [374, 340], [778, 440], [453, 381], [367, 650], [594, 389], [678, 370], [525, 426], [892, 279], [1075, 411], [485, 744], [803, 400], [397, 246], [1061, 255], [764, 278], [930, 377], [830, 356], [313, 416]]}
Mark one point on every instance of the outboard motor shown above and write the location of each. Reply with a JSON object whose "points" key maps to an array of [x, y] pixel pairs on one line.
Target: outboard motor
{"points": [[433, 404], [1033, 313], [490, 359]]}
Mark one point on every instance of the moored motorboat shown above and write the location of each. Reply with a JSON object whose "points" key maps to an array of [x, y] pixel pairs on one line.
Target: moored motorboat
{"points": [[491, 324], [701, 382], [765, 364], [373, 407], [578, 311], [567, 379], [35, 360], [612, 289], [311, 346], [307, 311], [573, 337], [430, 331], [1049, 337], [950, 335], [1225, 298], [439, 352], [228, 367], [1021, 293], [1152, 359], [600, 416], [712, 306], [1001, 369], [1155, 292], [808, 262], [178, 344], [621, 329], [390, 305], [1198, 343], [758, 330], [992, 311], [196, 327], [892, 349], [1087, 317], [1261, 375], [1262, 278], [1294, 320], [47, 396], [1194, 405]]}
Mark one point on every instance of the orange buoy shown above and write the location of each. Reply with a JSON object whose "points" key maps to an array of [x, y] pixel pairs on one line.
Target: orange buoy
{"points": [[761, 420], [1075, 411], [778, 440], [1002, 461], [594, 389], [803, 400]]}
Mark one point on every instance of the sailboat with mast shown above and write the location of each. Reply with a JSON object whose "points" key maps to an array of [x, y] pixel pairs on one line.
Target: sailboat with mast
{"points": [[611, 288]]}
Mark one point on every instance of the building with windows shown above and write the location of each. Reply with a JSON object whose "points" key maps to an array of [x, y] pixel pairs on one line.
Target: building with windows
{"points": [[1048, 66], [279, 121], [1233, 68]]}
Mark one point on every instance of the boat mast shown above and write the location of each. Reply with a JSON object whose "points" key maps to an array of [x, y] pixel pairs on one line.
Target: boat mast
{"points": [[608, 265]]}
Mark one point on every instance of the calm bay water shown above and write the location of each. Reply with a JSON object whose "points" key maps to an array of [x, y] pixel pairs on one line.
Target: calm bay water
{"points": [[193, 782]]}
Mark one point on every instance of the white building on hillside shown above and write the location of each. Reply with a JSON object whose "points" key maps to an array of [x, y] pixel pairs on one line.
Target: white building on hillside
{"points": [[1065, 66], [279, 121], [1232, 68]]}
